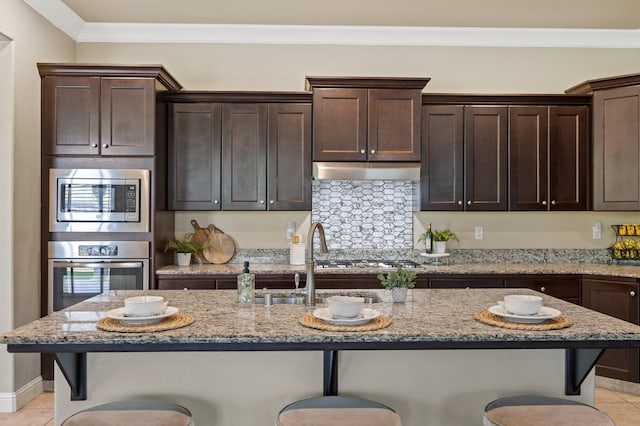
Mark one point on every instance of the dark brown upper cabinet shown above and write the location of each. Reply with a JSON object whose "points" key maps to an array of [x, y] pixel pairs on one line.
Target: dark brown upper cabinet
{"points": [[92, 110], [366, 119], [194, 155], [616, 141], [242, 153], [464, 160], [548, 158]]}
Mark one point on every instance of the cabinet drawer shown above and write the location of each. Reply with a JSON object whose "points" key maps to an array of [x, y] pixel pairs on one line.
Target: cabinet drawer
{"points": [[466, 282], [563, 287], [189, 284]]}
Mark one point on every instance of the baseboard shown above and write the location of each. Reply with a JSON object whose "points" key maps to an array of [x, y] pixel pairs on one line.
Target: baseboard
{"points": [[618, 385], [10, 402]]}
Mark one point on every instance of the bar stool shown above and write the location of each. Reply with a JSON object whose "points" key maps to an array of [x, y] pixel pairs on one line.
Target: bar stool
{"points": [[337, 411], [535, 410], [132, 413]]}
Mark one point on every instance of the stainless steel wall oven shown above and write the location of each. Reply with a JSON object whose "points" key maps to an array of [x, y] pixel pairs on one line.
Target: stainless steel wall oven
{"points": [[99, 200], [78, 270]]}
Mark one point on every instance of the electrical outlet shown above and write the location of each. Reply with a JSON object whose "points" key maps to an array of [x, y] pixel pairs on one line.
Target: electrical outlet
{"points": [[479, 232], [597, 231]]}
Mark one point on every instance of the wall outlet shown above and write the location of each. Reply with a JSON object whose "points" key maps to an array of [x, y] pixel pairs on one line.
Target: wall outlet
{"points": [[479, 232], [597, 231]]}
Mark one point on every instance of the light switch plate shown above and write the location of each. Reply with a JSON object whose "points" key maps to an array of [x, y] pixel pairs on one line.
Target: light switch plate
{"points": [[479, 232]]}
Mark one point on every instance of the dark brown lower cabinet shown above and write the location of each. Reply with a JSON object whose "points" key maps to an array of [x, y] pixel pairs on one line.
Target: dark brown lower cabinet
{"points": [[566, 287], [467, 282], [617, 297]]}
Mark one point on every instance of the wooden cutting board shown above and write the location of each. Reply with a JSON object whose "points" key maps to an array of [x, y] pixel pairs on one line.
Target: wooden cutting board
{"points": [[221, 247], [201, 237]]}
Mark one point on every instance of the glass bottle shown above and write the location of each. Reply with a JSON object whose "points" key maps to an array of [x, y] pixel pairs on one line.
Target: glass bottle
{"points": [[428, 240], [246, 284]]}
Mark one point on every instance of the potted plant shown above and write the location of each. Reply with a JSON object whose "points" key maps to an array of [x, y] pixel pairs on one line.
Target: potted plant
{"points": [[398, 281], [440, 239], [184, 248]]}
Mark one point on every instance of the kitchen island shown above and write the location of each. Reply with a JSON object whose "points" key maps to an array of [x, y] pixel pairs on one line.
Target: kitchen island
{"points": [[435, 364]]}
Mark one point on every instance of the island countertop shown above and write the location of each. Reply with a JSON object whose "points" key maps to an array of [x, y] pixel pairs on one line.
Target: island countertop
{"points": [[431, 318], [451, 269]]}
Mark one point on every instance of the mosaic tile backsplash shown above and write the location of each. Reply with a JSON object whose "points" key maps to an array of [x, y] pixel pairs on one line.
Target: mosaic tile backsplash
{"points": [[365, 214]]}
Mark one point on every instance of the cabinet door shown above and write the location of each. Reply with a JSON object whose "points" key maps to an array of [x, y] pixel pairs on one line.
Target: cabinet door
{"points": [[568, 160], [441, 174], [194, 156], [562, 287], [485, 154], [618, 298], [71, 115], [528, 150], [339, 124], [127, 117], [616, 149], [289, 157], [394, 125], [244, 156], [466, 282]]}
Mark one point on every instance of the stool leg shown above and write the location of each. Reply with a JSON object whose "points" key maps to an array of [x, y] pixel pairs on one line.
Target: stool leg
{"points": [[330, 364]]}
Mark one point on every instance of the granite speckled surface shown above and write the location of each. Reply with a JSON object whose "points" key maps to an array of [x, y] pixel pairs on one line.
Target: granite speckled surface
{"points": [[430, 318], [454, 268]]}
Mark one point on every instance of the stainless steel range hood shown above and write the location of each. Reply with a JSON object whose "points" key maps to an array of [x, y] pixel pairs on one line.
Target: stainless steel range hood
{"points": [[366, 171]]}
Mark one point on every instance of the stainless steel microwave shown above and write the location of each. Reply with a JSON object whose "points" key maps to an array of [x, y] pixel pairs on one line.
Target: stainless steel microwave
{"points": [[99, 200]]}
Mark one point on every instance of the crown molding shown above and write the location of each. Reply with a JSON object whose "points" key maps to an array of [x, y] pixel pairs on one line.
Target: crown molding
{"points": [[64, 18]]}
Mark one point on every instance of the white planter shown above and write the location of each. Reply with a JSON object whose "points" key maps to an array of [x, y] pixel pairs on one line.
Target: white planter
{"points": [[183, 259], [439, 247], [399, 295]]}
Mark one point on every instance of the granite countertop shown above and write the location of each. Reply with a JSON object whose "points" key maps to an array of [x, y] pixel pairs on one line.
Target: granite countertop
{"points": [[431, 318], [454, 268]]}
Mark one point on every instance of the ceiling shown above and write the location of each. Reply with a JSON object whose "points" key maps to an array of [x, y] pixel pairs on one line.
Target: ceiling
{"points": [[544, 23]]}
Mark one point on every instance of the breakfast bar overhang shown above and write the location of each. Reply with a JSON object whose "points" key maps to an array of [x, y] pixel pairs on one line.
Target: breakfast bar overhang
{"points": [[432, 320]]}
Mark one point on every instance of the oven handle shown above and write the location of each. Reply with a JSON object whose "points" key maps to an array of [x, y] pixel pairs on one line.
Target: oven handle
{"points": [[107, 265]]}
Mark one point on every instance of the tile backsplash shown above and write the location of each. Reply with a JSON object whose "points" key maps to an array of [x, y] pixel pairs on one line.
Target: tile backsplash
{"points": [[369, 214]]}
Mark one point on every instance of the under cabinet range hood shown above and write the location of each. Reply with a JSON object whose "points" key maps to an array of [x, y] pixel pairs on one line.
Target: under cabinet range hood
{"points": [[366, 171]]}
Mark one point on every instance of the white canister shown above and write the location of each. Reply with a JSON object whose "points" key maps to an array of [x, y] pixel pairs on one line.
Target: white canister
{"points": [[296, 254]]}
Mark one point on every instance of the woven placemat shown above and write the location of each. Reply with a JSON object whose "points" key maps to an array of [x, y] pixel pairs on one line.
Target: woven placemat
{"points": [[375, 324], [487, 317], [174, 321]]}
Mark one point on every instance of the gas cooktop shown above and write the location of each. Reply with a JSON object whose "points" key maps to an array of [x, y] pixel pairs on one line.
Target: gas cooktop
{"points": [[365, 263]]}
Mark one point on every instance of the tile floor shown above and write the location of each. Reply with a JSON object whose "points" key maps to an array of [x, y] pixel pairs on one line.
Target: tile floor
{"points": [[624, 409]]}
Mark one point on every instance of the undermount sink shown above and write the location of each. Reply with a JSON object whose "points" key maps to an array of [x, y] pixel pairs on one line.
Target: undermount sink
{"points": [[299, 299]]}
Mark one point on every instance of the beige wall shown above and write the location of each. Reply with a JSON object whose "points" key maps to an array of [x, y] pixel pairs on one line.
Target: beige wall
{"points": [[33, 40], [452, 69]]}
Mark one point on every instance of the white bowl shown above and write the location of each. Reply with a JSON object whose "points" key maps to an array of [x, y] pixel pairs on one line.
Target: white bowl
{"points": [[345, 306], [523, 304], [144, 306]]}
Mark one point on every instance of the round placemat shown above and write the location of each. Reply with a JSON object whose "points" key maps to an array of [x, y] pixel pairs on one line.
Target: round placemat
{"points": [[174, 321], [375, 324], [487, 317]]}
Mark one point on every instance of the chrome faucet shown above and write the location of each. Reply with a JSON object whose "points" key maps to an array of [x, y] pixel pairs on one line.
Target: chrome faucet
{"points": [[310, 288]]}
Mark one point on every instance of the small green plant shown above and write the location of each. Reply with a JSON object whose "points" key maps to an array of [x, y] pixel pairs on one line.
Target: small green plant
{"points": [[398, 278], [444, 235], [183, 245]]}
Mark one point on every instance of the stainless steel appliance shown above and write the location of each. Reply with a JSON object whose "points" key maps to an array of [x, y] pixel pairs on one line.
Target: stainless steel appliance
{"points": [[82, 269], [365, 264], [99, 200]]}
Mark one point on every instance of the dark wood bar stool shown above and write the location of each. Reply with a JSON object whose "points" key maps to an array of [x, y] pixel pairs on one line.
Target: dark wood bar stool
{"points": [[132, 413], [337, 411], [535, 410]]}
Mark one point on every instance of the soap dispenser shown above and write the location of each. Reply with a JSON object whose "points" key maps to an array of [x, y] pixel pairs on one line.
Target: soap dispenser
{"points": [[246, 284]]}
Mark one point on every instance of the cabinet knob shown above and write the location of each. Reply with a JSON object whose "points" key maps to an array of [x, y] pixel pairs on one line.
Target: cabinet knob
{"points": [[460, 202], [632, 293], [544, 202], [271, 201], [543, 289], [373, 151], [215, 201], [469, 202], [553, 202], [105, 145], [362, 151], [261, 201], [94, 145]]}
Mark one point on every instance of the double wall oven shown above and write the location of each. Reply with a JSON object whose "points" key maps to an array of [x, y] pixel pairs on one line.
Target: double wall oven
{"points": [[96, 217]]}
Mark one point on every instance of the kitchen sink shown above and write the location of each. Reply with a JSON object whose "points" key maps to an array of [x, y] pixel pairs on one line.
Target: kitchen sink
{"points": [[298, 299]]}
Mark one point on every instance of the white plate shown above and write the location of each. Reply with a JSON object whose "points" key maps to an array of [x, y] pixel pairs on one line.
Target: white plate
{"points": [[544, 314], [365, 316], [119, 314], [435, 255]]}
